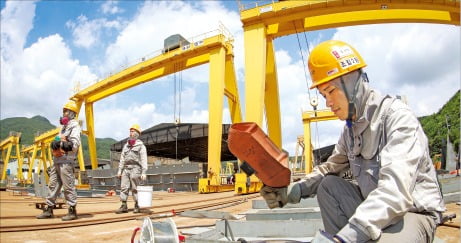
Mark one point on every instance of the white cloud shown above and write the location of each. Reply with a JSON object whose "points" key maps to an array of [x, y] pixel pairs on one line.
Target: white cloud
{"points": [[414, 60], [87, 33], [17, 20], [38, 83], [36, 80], [110, 7], [157, 20]]}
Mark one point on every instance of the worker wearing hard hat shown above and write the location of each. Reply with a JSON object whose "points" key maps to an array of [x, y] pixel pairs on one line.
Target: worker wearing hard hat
{"points": [[61, 173], [395, 194], [132, 168]]}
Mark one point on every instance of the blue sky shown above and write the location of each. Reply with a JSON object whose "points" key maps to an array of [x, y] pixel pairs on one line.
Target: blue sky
{"points": [[47, 47]]}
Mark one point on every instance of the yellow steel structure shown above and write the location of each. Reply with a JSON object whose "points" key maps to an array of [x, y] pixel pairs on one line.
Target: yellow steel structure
{"points": [[263, 23], [308, 117], [27, 153], [246, 184], [6, 146], [41, 149], [216, 50], [298, 165]]}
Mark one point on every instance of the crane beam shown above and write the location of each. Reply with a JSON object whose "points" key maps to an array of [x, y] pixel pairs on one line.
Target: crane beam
{"points": [[217, 50], [281, 17]]}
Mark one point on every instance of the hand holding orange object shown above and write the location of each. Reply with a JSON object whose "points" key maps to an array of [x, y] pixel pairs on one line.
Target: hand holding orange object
{"points": [[249, 143]]}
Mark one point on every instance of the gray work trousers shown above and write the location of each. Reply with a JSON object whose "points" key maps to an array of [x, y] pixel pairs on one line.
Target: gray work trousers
{"points": [[339, 198], [131, 178], [61, 176]]}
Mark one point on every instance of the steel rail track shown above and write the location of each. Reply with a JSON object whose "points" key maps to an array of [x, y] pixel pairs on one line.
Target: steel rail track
{"points": [[160, 211], [112, 211]]}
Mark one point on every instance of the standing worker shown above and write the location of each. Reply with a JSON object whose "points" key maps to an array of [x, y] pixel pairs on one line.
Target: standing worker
{"points": [[132, 168], [395, 195], [61, 173]]}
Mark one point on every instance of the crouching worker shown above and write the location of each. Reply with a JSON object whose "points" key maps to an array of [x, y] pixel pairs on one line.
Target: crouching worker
{"points": [[61, 174], [132, 168], [395, 196]]}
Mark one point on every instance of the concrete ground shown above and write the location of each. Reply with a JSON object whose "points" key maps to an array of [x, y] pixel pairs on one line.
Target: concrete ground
{"points": [[21, 205]]}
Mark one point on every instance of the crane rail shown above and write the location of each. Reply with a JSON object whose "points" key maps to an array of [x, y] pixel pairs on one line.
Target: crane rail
{"points": [[86, 219]]}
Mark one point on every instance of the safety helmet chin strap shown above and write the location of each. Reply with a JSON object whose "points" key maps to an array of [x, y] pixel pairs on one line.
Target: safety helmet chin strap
{"points": [[351, 98]]}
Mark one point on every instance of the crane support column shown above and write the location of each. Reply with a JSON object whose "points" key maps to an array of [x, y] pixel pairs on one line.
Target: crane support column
{"points": [[44, 160], [215, 107], [6, 158], [31, 163], [271, 97], [232, 93], [7, 145], [91, 136], [308, 117], [255, 68]]}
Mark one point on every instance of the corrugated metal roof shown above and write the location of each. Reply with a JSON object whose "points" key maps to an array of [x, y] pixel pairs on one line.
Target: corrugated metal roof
{"points": [[192, 141]]}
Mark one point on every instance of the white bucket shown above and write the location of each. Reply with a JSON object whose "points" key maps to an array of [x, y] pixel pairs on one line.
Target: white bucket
{"points": [[144, 196]]}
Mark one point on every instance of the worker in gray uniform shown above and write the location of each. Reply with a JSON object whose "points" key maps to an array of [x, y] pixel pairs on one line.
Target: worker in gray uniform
{"points": [[61, 174], [395, 195], [132, 168]]}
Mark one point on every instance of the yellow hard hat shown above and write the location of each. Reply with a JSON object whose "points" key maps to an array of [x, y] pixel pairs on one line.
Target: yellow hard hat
{"points": [[71, 105], [331, 59], [136, 127]]}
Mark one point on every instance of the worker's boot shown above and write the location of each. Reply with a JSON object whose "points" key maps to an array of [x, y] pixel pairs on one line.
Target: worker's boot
{"points": [[122, 209], [47, 213], [71, 214], [136, 208]]}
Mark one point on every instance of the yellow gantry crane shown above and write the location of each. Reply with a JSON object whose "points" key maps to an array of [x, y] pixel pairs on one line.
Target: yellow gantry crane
{"points": [[262, 23], [6, 146], [215, 48]]}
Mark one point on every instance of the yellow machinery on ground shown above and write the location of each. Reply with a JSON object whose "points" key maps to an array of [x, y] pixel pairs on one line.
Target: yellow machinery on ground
{"points": [[264, 23], [6, 146]]}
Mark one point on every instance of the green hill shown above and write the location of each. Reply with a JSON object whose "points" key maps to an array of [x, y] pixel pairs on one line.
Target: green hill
{"points": [[436, 125], [27, 126], [30, 127]]}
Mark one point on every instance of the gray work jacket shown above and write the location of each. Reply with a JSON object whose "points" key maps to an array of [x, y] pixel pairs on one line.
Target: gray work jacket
{"points": [[387, 152], [135, 155], [71, 132]]}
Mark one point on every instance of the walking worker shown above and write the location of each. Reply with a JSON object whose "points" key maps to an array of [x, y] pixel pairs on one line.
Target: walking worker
{"points": [[61, 173], [395, 195], [132, 168]]}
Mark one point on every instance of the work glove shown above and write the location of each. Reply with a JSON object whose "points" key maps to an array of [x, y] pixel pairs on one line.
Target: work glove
{"points": [[279, 197], [324, 237], [55, 145], [143, 177], [119, 174]]}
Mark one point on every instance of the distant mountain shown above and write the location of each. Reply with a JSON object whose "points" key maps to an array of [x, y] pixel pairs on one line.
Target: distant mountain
{"points": [[436, 125], [30, 127]]}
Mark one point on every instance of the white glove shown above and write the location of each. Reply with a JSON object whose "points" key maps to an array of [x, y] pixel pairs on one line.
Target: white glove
{"points": [[143, 177], [119, 174], [325, 237], [279, 197]]}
